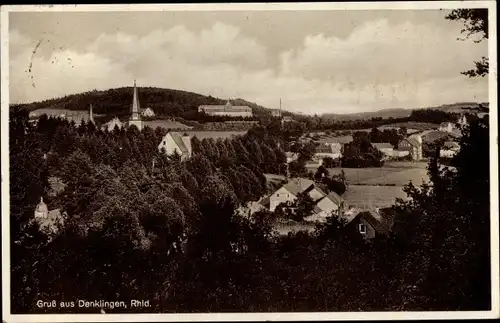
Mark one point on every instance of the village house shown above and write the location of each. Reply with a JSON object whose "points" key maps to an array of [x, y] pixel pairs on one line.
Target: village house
{"points": [[325, 207], [384, 147], [291, 190], [371, 223], [174, 142], [110, 125], [447, 127], [332, 150], [413, 145], [449, 149], [291, 157], [148, 112], [49, 222], [226, 110], [324, 204]]}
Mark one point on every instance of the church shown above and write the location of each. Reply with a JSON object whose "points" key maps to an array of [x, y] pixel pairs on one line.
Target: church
{"points": [[135, 116], [134, 119]]}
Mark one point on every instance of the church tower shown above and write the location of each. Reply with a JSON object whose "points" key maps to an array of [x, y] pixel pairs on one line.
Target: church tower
{"points": [[91, 115], [135, 117]]}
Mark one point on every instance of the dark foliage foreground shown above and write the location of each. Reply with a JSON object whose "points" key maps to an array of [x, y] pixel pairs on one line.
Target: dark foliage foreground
{"points": [[166, 231]]}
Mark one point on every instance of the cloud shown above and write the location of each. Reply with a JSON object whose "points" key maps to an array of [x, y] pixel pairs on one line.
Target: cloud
{"points": [[377, 66]]}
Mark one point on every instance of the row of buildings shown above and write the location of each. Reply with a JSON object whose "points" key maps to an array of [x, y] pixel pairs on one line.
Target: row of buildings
{"points": [[369, 222]]}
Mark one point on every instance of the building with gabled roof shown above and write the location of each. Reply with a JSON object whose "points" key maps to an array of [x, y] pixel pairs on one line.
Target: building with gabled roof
{"points": [[110, 125], [175, 142], [386, 148], [372, 223], [413, 145], [148, 112]]}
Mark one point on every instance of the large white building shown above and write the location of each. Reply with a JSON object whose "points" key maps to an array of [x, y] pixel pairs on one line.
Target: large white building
{"points": [[228, 110]]}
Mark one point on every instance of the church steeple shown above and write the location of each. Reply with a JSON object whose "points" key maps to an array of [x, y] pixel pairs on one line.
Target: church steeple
{"points": [[135, 105], [91, 116]]}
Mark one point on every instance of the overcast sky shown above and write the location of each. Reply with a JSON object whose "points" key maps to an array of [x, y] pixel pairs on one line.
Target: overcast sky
{"points": [[316, 61]]}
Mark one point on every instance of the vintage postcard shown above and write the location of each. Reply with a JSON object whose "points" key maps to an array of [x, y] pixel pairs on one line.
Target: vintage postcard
{"points": [[263, 162]]}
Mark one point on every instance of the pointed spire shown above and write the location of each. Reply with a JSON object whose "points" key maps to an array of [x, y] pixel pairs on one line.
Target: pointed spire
{"points": [[135, 104], [91, 115]]}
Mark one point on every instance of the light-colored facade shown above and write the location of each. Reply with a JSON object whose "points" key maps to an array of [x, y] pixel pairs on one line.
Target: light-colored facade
{"points": [[332, 150], [447, 127], [148, 112], [49, 222], [385, 148], [282, 195], [110, 125], [413, 145], [174, 142], [227, 110], [449, 149]]}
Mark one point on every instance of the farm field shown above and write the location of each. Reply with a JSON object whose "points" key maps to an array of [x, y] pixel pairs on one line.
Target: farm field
{"points": [[167, 124], [383, 175], [371, 196], [411, 125]]}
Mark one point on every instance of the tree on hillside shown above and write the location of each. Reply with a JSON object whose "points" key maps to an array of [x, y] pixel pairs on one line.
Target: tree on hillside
{"points": [[475, 24]]}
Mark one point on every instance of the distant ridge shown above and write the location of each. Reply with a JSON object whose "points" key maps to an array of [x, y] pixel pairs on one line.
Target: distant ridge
{"points": [[170, 102]]}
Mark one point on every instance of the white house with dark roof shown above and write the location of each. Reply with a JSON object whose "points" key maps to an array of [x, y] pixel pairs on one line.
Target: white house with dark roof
{"points": [[413, 145], [325, 204], [148, 112], [332, 150], [226, 110], [175, 142]]}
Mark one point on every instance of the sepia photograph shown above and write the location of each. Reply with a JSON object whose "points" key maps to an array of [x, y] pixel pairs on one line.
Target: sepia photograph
{"points": [[273, 161]]}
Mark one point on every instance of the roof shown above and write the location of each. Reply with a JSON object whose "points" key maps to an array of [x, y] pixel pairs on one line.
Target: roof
{"points": [[451, 144], [412, 141], [112, 123], [298, 185], [334, 197], [324, 148], [265, 201], [179, 142], [382, 145], [381, 220], [341, 139], [444, 124], [328, 203], [290, 154], [41, 207]]}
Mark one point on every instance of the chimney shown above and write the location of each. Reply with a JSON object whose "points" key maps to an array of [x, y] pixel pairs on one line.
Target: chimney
{"points": [[186, 139]]}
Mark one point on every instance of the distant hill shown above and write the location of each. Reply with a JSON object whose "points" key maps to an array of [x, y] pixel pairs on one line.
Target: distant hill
{"points": [[117, 102], [177, 103], [386, 113], [459, 107]]}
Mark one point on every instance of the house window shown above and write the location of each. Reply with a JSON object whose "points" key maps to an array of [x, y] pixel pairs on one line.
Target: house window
{"points": [[362, 228], [277, 195]]}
